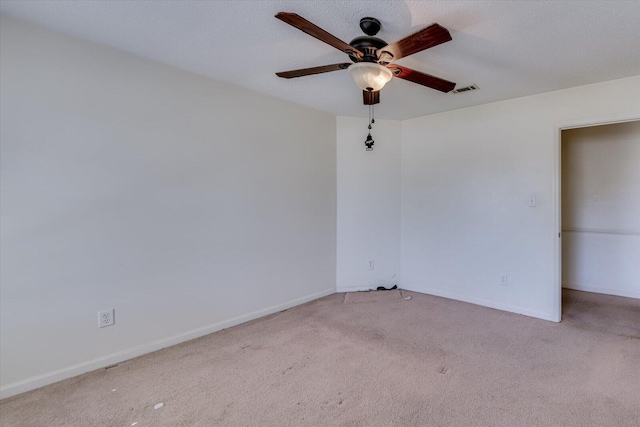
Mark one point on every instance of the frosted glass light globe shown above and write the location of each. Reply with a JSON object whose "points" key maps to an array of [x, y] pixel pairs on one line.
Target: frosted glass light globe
{"points": [[369, 76]]}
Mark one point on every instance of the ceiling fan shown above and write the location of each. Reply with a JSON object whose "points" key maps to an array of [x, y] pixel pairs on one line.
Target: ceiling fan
{"points": [[372, 57]]}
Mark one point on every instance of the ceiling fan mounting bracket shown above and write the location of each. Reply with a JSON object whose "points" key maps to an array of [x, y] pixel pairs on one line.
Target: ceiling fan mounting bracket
{"points": [[370, 26]]}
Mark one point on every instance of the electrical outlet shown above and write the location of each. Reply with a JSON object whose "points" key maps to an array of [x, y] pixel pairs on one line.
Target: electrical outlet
{"points": [[105, 318], [503, 279], [370, 265]]}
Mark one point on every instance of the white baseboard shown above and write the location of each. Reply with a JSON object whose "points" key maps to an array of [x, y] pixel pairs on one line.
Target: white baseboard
{"points": [[483, 302], [616, 292], [118, 357]]}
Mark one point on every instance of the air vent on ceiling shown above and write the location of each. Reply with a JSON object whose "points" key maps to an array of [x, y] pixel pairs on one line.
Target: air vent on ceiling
{"points": [[466, 89]]}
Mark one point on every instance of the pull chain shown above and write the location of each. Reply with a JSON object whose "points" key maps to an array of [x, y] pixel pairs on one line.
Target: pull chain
{"points": [[371, 119], [369, 141]]}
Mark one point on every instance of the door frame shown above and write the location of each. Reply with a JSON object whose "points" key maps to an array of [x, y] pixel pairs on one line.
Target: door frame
{"points": [[557, 190]]}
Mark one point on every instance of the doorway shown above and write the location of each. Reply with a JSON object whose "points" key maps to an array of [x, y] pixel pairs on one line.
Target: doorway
{"points": [[598, 208]]}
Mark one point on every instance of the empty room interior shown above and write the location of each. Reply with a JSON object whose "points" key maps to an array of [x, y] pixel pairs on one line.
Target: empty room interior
{"points": [[329, 213]]}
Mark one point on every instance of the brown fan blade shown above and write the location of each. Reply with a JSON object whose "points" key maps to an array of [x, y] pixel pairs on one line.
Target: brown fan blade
{"points": [[313, 70], [421, 78], [302, 24], [428, 37], [371, 98]]}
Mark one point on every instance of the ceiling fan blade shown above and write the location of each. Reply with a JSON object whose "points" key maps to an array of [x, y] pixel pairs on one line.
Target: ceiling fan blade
{"points": [[371, 98], [313, 70], [302, 24], [421, 78], [428, 37]]}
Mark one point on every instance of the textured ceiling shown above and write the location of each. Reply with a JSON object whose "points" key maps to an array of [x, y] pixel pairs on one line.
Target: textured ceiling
{"points": [[508, 48]]}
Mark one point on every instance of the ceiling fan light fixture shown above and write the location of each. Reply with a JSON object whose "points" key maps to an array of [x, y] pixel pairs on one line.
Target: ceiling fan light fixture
{"points": [[369, 76]]}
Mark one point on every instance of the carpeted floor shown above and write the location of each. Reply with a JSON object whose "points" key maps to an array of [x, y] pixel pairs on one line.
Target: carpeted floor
{"points": [[372, 359]]}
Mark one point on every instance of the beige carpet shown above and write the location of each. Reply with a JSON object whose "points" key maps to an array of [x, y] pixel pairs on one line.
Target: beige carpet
{"points": [[372, 359]]}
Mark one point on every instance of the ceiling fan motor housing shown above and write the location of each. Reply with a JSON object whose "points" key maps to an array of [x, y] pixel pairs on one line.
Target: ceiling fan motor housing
{"points": [[369, 46]]}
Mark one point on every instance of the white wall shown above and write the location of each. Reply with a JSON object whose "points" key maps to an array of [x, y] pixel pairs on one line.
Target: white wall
{"points": [[466, 178], [368, 204], [186, 204], [601, 209], [133, 185]]}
